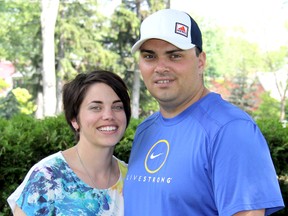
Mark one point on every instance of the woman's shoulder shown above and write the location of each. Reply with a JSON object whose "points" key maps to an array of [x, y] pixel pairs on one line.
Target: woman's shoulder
{"points": [[123, 166]]}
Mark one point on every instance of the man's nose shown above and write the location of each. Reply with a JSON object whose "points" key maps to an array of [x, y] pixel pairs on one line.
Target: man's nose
{"points": [[161, 66]]}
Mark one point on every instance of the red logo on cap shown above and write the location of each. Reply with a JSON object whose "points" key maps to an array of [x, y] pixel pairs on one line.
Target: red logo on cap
{"points": [[181, 29]]}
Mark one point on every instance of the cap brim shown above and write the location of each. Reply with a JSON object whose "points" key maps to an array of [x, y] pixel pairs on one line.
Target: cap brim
{"points": [[179, 44]]}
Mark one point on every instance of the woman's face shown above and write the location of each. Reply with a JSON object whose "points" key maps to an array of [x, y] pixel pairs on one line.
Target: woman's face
{"points": [[101, 119]]}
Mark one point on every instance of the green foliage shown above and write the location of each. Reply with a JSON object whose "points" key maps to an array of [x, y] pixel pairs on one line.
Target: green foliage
{"points": [[122, 150], [17, 101], [156, 5], [9, 106], [80, 39], [20, 32], [277, 139], [274, 60], [150, 106], [215, 52], [3, 84], [26, 106], [25, 141], [242, 94], [268, 109]]}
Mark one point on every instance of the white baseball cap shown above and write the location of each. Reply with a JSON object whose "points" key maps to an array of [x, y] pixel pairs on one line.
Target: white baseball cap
{"points": [[173, 26]]}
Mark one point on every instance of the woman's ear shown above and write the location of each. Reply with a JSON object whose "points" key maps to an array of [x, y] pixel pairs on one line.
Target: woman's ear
{"points": [[75, 124]]}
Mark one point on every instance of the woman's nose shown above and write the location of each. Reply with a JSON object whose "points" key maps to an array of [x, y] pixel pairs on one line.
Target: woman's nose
{"points": [[108, 114]]}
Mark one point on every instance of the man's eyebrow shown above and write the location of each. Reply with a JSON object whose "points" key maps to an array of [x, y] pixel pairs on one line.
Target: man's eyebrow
{"points": [[147, 51], [167, 52], [175, 50]]}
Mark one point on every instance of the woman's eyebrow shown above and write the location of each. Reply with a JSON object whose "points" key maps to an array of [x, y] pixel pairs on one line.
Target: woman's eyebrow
{"points": [[101, 102], [117, 101]]}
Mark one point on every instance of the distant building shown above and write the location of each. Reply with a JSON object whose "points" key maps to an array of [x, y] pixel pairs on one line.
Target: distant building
{"points": [[9, 75], [269, 82], [7, 70], [259, 83], [225, 88]]}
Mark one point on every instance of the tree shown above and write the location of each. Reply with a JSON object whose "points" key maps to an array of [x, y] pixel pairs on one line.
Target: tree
{"points": [[268, 109], [123, 19], [48, 21], [277, 63], [9, 106], [126, 22], [20, 40]]}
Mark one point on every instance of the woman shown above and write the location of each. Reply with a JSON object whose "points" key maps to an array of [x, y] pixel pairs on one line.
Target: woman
{"points": [[85, 179]]}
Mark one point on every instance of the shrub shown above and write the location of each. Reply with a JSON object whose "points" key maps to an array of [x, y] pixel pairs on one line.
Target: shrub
{"points": [[122, 150], [26, 140], [277, 139]]}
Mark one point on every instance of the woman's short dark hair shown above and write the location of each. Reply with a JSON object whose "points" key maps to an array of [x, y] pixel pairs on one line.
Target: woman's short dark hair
{"points": [[75, 91]]}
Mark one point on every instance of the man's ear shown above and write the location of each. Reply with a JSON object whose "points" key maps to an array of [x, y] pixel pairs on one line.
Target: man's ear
{"points": [[202, 62]]}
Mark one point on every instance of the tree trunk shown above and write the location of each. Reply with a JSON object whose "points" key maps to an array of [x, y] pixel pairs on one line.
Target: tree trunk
{"points": [[281, 80], [136, 78], [59, 72], [48, 20], [136, 93]]}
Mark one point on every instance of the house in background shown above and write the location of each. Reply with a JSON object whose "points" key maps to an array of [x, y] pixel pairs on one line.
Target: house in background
{"points": [[7, 70], [9, 75], [225, 88], [274, 82]]}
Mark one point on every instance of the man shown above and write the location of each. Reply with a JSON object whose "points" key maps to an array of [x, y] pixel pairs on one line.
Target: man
{"points": [[199, 155]]}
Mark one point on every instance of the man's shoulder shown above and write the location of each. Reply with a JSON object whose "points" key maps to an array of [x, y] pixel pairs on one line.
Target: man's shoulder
{"points": [[150, 120], [219, 109]]}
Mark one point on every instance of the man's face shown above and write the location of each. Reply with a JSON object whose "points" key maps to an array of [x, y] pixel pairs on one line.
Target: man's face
{"points": [[173, 76]]}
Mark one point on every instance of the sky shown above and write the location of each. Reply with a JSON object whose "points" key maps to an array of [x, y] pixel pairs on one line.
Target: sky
{"points": [[263, 21]]}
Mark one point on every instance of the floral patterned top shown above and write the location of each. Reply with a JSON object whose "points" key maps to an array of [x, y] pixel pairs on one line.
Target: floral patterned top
{"points": [[52, 188]]}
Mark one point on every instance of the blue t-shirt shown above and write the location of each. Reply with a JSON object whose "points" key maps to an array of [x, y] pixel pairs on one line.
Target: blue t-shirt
{"points": [[211, 159], [52, 188]]}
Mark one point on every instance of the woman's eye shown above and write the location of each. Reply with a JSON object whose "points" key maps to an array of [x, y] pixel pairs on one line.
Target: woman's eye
{"points": [[97, 108], [118, 108]]}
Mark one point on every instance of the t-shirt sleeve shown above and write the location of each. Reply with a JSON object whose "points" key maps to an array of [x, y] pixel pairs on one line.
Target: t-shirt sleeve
{"points": [[31, 195], [243, 174]]}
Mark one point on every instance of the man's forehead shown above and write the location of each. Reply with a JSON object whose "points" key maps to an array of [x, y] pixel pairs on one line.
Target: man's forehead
{"points": [[157, 45]]}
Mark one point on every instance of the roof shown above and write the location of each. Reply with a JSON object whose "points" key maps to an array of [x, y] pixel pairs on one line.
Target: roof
{"points": [[7, 69], [269, 82]]}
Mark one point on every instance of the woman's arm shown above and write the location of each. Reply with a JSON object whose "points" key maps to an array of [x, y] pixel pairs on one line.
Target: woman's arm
{"points": [[18, 211]]}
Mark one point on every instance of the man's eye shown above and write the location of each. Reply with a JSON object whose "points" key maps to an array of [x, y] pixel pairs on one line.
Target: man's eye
{"points": [[175, 56], [148, 56]]}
